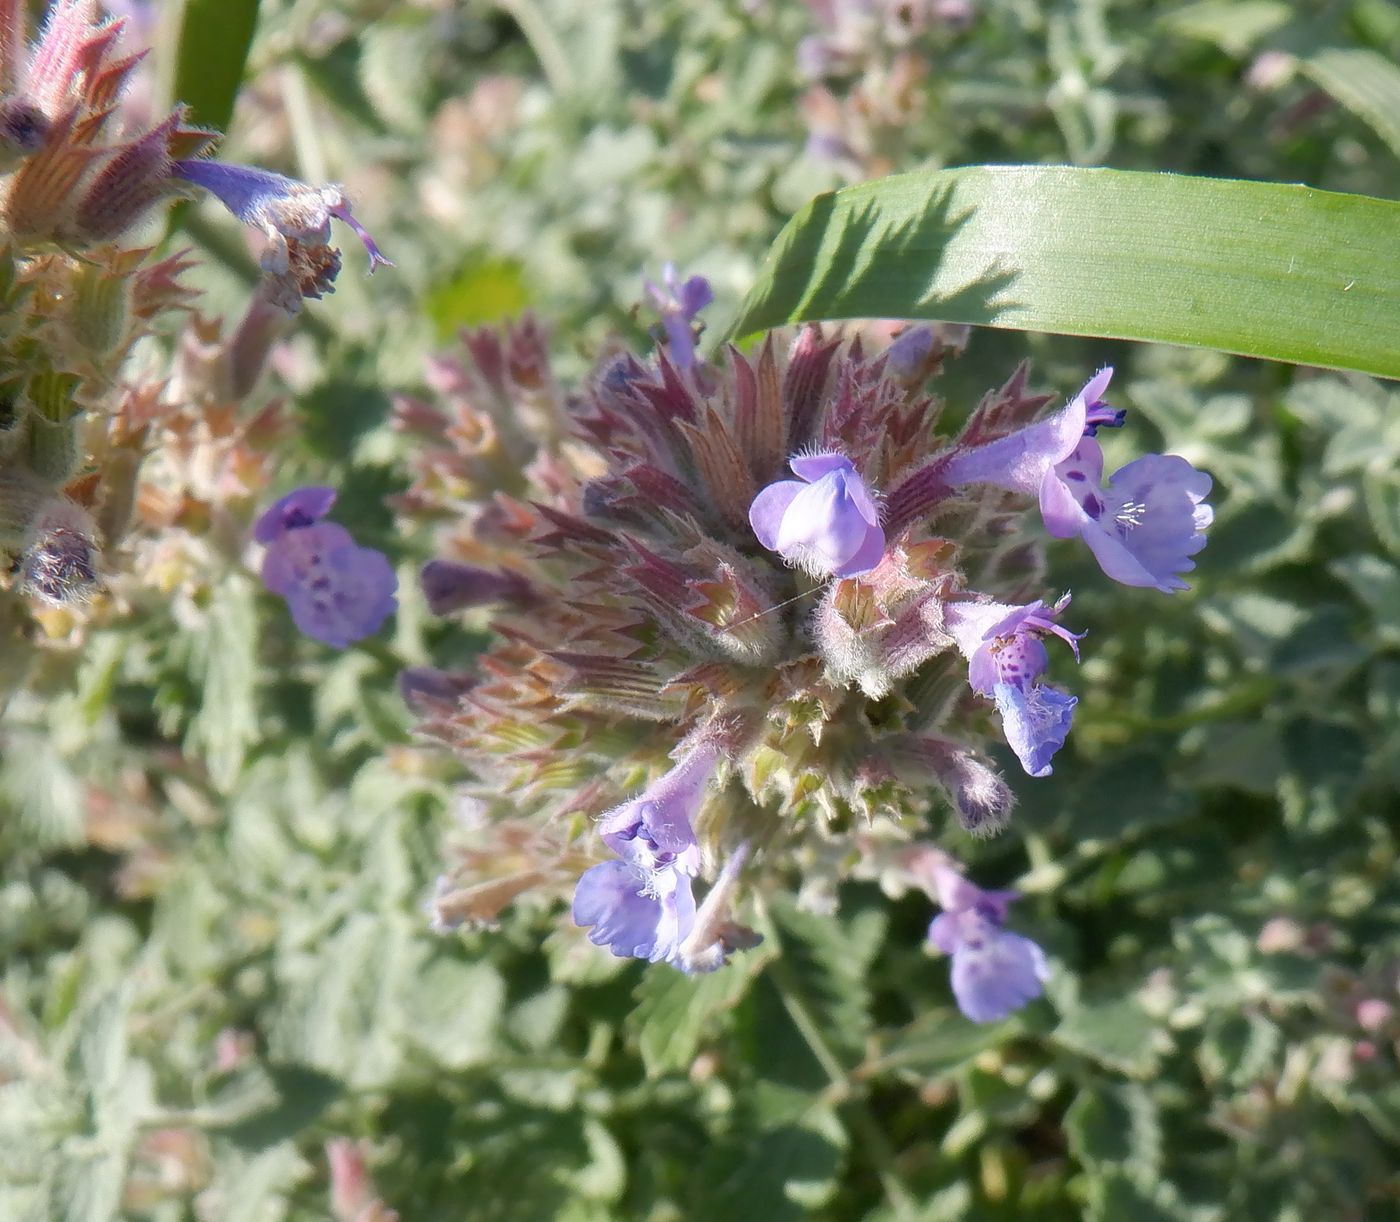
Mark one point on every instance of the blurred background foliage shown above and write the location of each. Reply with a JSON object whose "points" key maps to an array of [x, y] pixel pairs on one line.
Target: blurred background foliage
{"points": [[218, 836]]}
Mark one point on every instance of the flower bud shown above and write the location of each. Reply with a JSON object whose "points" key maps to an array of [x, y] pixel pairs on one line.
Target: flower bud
{"points": [[23, 130], [131, 183], [426, 690], [450, 587], [59, 561], [98, 313], [982, 800], [55, 449]]}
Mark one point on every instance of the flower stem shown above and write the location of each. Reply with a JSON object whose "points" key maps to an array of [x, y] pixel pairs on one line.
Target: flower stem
{"points": [[862, 1121]]}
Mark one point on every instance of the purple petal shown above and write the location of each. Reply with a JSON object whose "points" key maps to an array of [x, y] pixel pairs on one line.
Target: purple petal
{"points": [[822, 528], [695, 294], [998, 976], [767, 510], [655, 829], [812, 467], [341, 212], [971, 623], [1035, 722], [1072, 494], [245, 191], [634, 915], [297, 509], [1022, 460], [1158, 518], [861, 498], [680, 339], [944, 933], [867, 556], [348, 597], [296, 557], [612, 898]]}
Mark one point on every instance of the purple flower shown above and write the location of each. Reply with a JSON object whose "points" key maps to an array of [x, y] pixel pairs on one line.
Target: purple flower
{"points": [[679, 304], [643, 906], [654, 831], [337, 591], [281, 207], [1006, 658], [994, 972], [1142, 526], [635, 913], [827, 522]]}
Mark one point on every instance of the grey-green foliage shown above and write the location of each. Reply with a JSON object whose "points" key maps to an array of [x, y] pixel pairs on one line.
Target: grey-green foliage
{"points": [[212, 827]]}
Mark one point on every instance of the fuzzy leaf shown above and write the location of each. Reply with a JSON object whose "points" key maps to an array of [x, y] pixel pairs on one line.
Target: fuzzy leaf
{"points": [[1114, 1033], [1116, 1125], [225, 659], [675, 1013], [825, 961]]}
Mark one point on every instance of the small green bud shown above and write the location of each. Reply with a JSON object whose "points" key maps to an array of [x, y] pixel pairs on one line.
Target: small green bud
{"points": [[99, 309], [55, 447]]}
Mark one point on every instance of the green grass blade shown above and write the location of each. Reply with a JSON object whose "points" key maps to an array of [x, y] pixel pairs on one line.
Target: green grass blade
{"points": [[1261, 269], [1363, 81], [214, 39]]}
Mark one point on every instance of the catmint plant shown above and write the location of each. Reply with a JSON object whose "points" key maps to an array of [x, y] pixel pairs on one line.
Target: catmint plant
{"points": [[82, 175], [705, 670]]}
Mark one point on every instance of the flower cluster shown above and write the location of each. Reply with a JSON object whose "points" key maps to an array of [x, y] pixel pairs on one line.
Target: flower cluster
{"points": [[337, 591], [812, 655], [81, 173]]}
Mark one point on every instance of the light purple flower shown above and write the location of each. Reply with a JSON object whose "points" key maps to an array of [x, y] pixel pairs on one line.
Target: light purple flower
{"points": [[643, 906], [827, 522], [994, 972], [655, 830], [1142, 526], [634, 912], [679, 304], [1006, 658], [337, 591], [281, 207]]}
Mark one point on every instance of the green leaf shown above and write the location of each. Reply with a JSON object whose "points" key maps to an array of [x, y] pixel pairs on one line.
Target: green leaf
{"points": [[268, 1107], [1116, 1033], [1233, 25], [225, 656], [675, 1012], [937, 1042], [1261, 269], [1366, 83], [455, 1008], [1115, 1125], [1238, 1048], [1117, 1195], [781, 1161], [214, 39]]}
